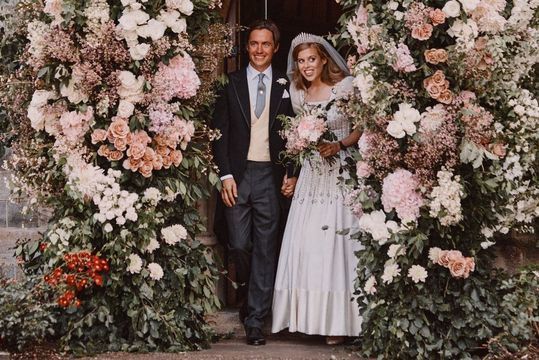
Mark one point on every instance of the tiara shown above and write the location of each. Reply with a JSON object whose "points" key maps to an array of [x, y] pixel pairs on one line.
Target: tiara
{"points": [[306, 38]]}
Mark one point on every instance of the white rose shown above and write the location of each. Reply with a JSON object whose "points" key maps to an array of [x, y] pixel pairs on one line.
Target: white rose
{"points": [[128, 21], [469, 5], [393, 5], [394, 128], [487, 244], [131, 86], [370, 285], [407, 113], [172, 19], [125, 109], [152, 246], [186, 7], [35, 114], [391, 270], [434, 254], [139, 52], [154, 29], [451, 8]]}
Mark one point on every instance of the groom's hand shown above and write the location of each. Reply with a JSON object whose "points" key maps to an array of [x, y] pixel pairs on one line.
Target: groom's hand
{"points": [[289, 185], [229, 192]]}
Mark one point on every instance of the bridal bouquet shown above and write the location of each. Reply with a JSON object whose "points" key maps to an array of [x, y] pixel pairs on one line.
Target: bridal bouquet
{"points": [[303, 133]]}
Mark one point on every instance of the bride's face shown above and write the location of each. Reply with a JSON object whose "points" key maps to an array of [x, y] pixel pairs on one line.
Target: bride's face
{"points": [[310, 64]]}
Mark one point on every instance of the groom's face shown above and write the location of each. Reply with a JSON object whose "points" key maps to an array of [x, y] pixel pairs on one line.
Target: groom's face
{"points": [[261, 48]]}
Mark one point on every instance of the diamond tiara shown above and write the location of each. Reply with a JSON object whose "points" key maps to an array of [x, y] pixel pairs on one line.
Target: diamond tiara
{"points": [[307, 38]]}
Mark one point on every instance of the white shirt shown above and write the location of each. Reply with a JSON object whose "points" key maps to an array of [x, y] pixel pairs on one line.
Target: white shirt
{"points": [[252, 83]]}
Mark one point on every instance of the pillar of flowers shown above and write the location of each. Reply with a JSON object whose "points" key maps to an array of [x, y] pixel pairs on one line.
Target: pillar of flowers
{"points": [[108, 102], [447, 161]]}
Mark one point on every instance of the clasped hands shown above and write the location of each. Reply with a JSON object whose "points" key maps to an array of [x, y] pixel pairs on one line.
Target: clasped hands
{"points": [[229, 190]]}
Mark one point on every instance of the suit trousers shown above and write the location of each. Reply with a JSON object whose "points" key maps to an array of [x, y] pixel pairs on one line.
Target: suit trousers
{"points": [[253, 226]]}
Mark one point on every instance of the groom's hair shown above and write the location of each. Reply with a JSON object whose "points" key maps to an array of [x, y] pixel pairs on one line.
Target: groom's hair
{"points": [[268, 25]]}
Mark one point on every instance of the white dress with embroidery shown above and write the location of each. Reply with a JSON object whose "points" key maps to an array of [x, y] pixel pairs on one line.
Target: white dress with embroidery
{"points": [[314, 285]]}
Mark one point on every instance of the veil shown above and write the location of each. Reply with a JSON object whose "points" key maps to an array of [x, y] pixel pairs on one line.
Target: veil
{"points": [[310, 38]]}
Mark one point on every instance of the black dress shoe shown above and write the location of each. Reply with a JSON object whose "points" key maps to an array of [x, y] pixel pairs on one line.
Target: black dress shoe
{"points": [[254, 336]]}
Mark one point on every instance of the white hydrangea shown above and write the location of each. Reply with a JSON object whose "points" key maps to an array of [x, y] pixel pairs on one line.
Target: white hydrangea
{"points": [[135, 264], [40, 98], [375, 224], [446, 196], [364, 81], [131, 88], [37, 32], [156, 271], [522, 13], [152, 196], [152, 246], [173, 20], [370, 285], [391, 270], [469, 5], [97, 13], [417, 273], [174, 234]]}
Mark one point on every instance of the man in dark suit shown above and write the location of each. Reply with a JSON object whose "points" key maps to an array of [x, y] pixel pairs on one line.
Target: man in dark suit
{"points": [[252, 177]]}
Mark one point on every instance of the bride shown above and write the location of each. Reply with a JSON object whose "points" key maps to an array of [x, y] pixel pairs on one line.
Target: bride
{"points": [[315, 277]]}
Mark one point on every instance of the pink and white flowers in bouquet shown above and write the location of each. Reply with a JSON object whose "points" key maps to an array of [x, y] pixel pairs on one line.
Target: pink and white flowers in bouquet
{"points": [[303, 133]]}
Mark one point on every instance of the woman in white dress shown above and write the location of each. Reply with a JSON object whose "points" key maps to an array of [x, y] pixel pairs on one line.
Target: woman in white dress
{"points": [[315, 276]]}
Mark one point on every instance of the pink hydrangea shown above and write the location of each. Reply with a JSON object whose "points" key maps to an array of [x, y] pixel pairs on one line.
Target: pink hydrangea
{"points": [[75, 124], [177, 79], [399, 192], [404, 62]]}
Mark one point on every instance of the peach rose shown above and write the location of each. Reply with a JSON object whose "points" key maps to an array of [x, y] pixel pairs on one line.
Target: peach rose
{"points": [[99, 135], [142, 137], [157, 162], [446, 97], [458, 268], [176, 157], [149, 154], [437, 16], [422, 32], [438, 78], [119, 127], [163, 150], [120, 144], [131, 164], [103, 150], [167, 161], [435, 56], [136, 150], [115, 155], [441, 55], [470, 264], [498, 149], [146, 169]]}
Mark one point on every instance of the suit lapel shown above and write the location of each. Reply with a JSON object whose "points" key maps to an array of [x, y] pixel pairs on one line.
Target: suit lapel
{"points": [[241, 89], [276, 97]]}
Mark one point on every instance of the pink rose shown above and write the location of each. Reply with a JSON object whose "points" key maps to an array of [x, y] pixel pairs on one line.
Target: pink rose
{"points": [[422, 32], [99, 135], [136, 150], [498, 149], [458, 268], [146, 169], [437, 17], [120, 144]]}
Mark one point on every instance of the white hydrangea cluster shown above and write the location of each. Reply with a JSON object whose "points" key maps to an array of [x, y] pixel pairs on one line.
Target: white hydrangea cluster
{"points": [[174, 234], [90, 182], [375, 224], [522, 13], [135, 23], [135, 264], [152, 196], [445, 203], [97, 13], [391, 270], [519, 165], [465, 33]]}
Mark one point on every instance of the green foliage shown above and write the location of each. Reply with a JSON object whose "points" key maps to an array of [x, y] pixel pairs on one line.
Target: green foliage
{"points": [[27, 316]]}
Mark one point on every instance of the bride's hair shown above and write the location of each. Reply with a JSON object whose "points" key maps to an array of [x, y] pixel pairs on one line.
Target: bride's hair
{"points": [[331, 73]]}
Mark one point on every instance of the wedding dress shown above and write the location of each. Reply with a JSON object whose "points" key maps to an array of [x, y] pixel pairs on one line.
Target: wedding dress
{"points": [[315, 276]]}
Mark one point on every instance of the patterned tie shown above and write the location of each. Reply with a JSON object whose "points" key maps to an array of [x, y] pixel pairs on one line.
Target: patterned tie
{"points": [[260, 96]]}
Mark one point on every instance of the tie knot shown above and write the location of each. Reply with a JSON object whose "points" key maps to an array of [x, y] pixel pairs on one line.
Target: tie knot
{"points": [[260, 76]]}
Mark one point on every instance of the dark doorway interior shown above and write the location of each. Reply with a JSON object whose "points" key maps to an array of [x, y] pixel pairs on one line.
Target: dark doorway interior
{"points": [[292, 16]]}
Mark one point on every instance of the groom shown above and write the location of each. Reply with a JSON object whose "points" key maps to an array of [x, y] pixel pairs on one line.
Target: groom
{"points": [[247, 155]]}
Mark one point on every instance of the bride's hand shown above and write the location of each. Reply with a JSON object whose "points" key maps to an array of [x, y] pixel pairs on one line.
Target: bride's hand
{"points": [[329, 149]]}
